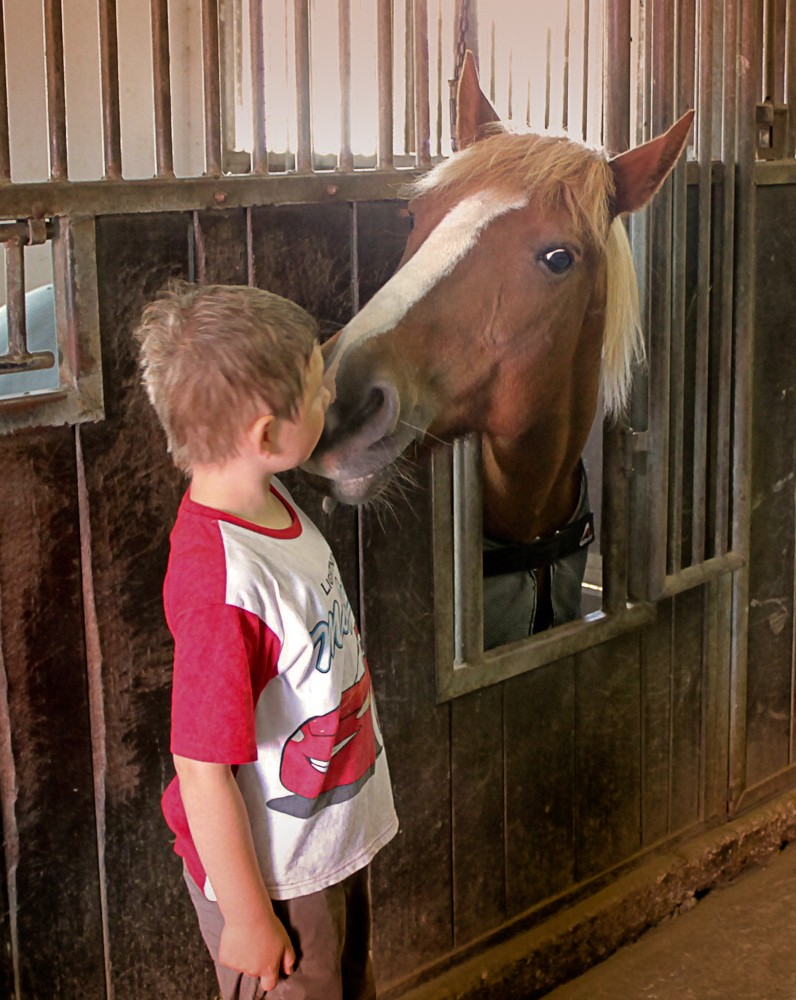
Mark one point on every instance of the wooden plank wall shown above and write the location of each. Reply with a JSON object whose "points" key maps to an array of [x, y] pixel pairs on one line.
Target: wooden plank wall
{"points": [[540, 787]]}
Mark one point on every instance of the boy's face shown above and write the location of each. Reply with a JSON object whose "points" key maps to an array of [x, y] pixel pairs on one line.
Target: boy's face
{"points": [[299, 436]]}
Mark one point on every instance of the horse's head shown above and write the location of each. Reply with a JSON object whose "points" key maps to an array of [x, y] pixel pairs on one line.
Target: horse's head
{"points": [[495, 318]]}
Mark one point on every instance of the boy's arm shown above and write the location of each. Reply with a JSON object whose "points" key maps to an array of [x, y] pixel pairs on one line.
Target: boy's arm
{"points": [[254, 941]]}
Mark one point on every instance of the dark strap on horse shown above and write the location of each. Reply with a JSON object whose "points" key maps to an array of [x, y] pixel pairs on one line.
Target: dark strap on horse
{"points": [[540, 552]]}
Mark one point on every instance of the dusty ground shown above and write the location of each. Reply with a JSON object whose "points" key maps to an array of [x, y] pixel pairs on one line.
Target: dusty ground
{"points": [[737, 943]]}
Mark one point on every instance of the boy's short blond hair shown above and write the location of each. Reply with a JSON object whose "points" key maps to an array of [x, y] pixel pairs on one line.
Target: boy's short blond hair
{"points": [[214, 356]]}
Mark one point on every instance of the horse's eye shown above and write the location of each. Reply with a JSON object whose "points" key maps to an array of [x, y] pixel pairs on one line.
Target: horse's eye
{"points": [[411, 217], [557, 261]]}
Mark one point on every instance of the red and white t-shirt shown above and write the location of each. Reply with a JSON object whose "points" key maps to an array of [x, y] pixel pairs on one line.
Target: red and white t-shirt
{"points": [[269, 676]]}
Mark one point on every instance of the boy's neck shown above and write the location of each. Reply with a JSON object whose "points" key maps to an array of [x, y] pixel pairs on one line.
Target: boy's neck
{"points": [[238, 490]]}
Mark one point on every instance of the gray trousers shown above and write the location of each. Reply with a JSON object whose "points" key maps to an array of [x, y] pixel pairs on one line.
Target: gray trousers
{"points": [[330, 931]]}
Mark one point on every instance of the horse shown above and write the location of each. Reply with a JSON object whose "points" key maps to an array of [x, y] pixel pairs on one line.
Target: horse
{"points": [[514, 304]]}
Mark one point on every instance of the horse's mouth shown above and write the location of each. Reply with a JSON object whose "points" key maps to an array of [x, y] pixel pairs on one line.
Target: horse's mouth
{"points": [[354, 491]]}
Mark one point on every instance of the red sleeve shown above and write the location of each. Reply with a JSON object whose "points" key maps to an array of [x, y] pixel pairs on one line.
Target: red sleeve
{"points": [[223, 658]]}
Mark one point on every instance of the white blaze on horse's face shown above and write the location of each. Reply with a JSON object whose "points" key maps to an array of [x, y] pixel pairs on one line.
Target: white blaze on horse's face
{"points": [[364, 437], [448, 243]]}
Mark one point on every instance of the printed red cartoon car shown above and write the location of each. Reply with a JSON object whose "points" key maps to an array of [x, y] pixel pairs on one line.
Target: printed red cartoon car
{"points": [[330, 757]]}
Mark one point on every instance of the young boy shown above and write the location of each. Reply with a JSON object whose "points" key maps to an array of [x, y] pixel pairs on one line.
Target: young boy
{"points": [[282, 795]]}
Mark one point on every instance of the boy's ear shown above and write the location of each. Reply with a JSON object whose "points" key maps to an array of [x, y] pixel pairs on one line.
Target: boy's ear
{"points": [[262, 434]]}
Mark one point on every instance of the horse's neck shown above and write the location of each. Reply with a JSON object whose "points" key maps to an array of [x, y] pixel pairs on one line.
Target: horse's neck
{"points": [[531, 486]]}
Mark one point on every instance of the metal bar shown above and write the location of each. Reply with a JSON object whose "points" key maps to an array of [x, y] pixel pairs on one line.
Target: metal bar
{"points": [[56, 94], [683, 76], [15, 296], [109, 88], [303, 90], [614, 525], [421, 70], [723, 490], [385, 65], [409, 78], [212, 87], [701, 573], [743, 329], [5, 151], [257, 42], [344, 20], [774, 51], [565, 88], [467, 550], [584, 125], [660, 298], [704, 140], [18, 358], [547, 647], [187, 193], [790, 75], [164, 152], [228, 32]]}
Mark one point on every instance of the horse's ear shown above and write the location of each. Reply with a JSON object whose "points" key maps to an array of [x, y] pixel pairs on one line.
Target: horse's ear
{"points": [[472, 109], [640, 172]]}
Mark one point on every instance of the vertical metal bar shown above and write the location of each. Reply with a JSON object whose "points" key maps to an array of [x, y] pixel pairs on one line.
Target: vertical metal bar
{"points": [[614, 523], [15, 296], [660, 297], [775, 51], [385, 61], [409, 78], [584, 125], [229, 32], [790, 75], [565, 98], [743, 329], [164, 154], [303, 88], [56, 94], [704, 139], [344, 21], [682, 77], [109, 86], [5, 151], [257, 50], [422, 116], [727, 278], [468, 522], [212, 87]]}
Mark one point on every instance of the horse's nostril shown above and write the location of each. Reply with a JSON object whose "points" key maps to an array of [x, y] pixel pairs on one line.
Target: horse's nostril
{"points": [[368, 416], [373, 403]]}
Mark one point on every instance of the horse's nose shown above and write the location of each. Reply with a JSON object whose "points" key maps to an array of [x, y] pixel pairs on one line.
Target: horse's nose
{"points": [[366, 417]]}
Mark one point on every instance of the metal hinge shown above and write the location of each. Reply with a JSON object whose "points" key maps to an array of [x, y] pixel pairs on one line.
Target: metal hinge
{"points": [[771, 130]]}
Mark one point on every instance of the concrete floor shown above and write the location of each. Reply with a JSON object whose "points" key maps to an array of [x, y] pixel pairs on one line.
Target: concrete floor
{"points": [[737, 943]]}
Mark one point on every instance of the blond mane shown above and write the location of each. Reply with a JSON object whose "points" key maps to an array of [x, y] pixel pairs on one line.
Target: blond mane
{"points": [[561, 173]]}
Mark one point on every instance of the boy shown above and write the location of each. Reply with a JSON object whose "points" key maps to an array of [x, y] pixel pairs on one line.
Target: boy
{"points": [[282, 795]]}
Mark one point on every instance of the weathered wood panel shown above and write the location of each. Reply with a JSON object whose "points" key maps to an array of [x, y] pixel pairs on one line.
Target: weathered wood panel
{"points": [[607, 760], [52, 849], [771, 579], [539, 752], [412, 887], [687, 750], [656, 668], [304, 254], [477, 792], [133, 493]]}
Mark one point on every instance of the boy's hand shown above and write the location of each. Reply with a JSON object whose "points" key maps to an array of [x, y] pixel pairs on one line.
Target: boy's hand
{"points": [[261, 950]]}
